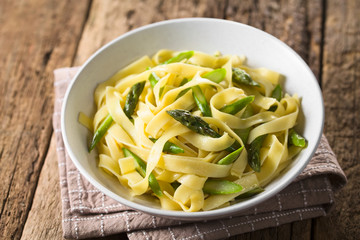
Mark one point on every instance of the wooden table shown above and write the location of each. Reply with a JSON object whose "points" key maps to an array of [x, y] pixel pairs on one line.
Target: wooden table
{"points": [[38, 36]]}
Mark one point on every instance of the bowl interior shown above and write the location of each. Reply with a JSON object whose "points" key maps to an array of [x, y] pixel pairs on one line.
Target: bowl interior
{"points": [[207, 35]]}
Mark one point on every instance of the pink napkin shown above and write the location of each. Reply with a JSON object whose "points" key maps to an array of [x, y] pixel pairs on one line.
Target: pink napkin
{"points": [[87, 212]]}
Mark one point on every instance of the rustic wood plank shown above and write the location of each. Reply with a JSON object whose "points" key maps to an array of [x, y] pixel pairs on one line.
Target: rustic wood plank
{"points": [[110, 19], [35, 37], [315, 35], [42, 224], [301, 230], [341, 91]]}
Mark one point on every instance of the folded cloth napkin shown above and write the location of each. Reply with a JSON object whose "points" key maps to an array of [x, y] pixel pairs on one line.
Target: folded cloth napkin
{"points": [[87, 212]]}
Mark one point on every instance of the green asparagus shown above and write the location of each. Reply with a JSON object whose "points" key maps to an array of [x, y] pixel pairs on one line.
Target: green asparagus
{"points": [[277, 94], [241, 77], [254, 153], [218, 186], [154, 79], [296, 139], [153, 183], [170, 147], [100, 132], [231, 157], [216, 75], [183, 82], [244, 133], [181, 56], [194, 123], [132, 98], [201, 101], [198, 125], [238, 105]]}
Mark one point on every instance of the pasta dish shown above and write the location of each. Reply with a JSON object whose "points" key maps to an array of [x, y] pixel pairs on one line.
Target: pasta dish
{"points": [[194, 131]]}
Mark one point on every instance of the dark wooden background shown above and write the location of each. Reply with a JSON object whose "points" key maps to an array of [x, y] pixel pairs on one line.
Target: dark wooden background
{"points": [[38, 36]]}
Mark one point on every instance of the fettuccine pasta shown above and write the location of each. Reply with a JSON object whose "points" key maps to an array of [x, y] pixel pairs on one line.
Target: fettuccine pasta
{"points": [[194, 131]]}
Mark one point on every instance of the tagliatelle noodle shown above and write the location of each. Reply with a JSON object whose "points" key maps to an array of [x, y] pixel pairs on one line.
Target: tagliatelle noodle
{"points": [[191, 168]]}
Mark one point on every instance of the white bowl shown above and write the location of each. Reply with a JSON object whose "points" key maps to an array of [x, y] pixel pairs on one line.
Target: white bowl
{"points": [[206, 35]]}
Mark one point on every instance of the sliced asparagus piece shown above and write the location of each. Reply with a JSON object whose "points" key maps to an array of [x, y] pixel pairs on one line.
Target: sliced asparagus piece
{"points": [[100, 132], [170, 147], [154, 79], [181, 56], [231, 157], [153, 183], [216, 75], [254, 153], [194, 123], [132, 98], [277, 94], [183, 82], [296, 139], [242, 77], [238, 105], [201, 101], [198, 125], [218, 186]]}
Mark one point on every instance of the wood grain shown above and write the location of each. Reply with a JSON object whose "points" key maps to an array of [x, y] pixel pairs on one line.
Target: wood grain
{"points": [[341, 91], [110, 19], [35, 37], [46, 207]]}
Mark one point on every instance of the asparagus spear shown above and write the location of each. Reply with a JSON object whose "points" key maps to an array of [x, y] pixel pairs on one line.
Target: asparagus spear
{"points": [[183, 82], [170, 147], [216, 75], [242, 77], [244, 133], [248, 112], [130, 105], [132, 98], [194, 123], [231, 157], [254, 153], [181, 56], [153, 183], [100, 132], [296, 139], [238, 105], [154, 79], [201, 101], [277, 94], [198, 125], [218, 186]]}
